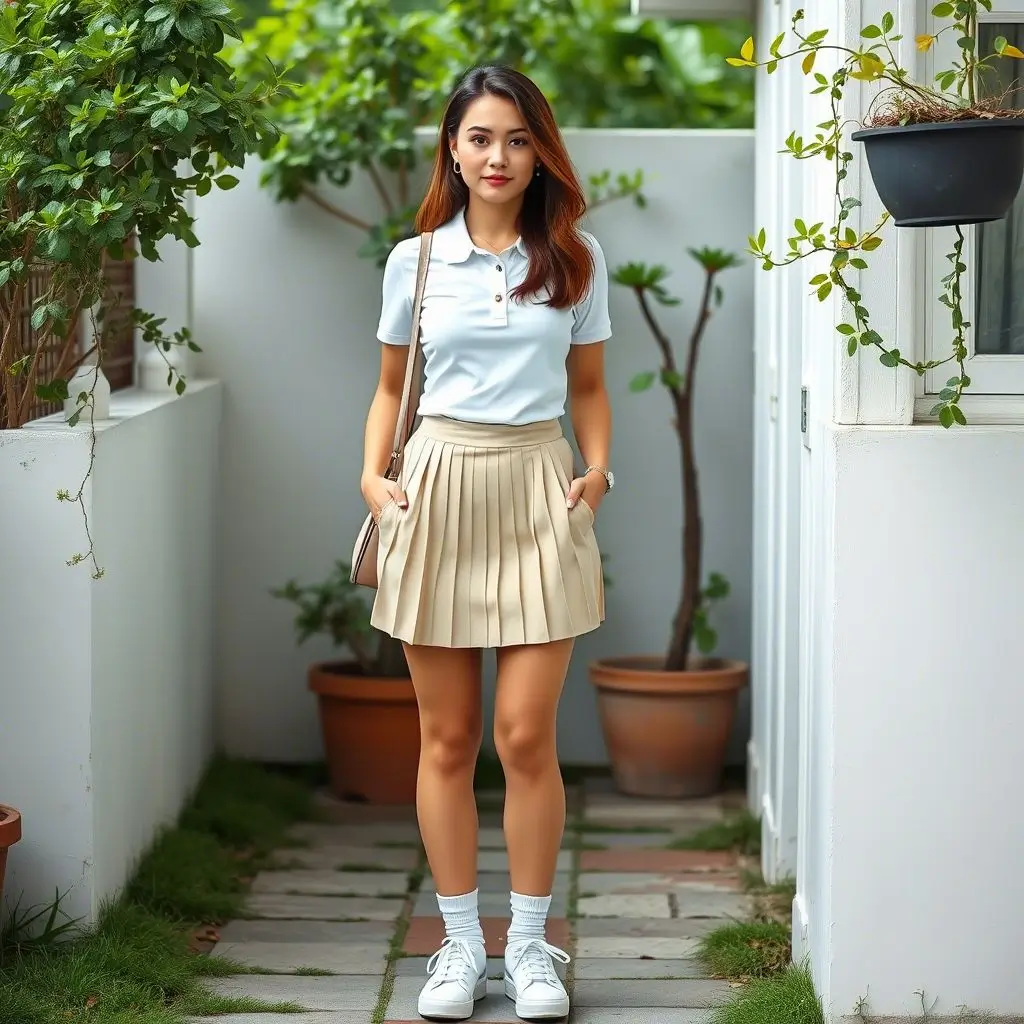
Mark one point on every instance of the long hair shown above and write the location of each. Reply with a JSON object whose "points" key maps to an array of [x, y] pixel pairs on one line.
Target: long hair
{"points": [[560, 260]]}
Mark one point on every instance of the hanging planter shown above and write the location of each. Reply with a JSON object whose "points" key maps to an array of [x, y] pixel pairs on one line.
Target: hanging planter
{"points": [[953, 172]]}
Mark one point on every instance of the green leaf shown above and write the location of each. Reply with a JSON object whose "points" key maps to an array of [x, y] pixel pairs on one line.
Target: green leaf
{"points": [[226, 181], [159, 12], [958, 415], [178, 119], [943, 10], [642, 381], [887, 22], [851, 346], [890, 359], [824, 291], [55, 390], [846, 328], [671, 379], [871, 32], [946, 416]]}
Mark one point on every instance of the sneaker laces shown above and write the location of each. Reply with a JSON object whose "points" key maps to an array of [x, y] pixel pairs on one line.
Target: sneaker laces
{"points": [[535, 960], [452, 959]]}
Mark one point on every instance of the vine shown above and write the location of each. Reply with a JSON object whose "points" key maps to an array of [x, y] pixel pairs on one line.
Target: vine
{"points": [[901, 101]]}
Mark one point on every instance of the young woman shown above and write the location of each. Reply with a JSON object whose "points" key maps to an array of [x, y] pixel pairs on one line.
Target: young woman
{"points": [[487, 539]]}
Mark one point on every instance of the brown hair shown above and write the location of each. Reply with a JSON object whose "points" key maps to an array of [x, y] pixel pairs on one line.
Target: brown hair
{"points": [[560, 259]]}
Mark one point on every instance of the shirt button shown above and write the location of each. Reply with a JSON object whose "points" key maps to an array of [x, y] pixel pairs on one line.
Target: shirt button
{"points": [[497, 266], [497, 298]]}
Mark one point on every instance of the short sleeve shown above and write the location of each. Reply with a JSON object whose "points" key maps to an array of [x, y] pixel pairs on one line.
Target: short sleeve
{"points": [[591, 322], [396, 298]]}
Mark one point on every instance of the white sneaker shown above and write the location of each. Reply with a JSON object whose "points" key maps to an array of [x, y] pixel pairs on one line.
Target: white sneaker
{"points": [[455, 982], [530, 980]]}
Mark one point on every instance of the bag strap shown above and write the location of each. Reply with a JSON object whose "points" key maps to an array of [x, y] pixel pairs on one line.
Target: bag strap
{"points": [[407, 410]]}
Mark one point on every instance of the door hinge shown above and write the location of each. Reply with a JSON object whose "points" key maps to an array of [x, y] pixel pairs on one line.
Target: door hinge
{"points": [[804, 407]]}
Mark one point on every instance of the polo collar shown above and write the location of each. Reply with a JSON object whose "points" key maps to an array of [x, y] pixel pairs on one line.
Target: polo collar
{"points": [[452, 242]]}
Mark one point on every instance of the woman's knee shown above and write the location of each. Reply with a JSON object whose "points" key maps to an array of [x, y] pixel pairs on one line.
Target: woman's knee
{"points": [[450, 747], [523, 746]]}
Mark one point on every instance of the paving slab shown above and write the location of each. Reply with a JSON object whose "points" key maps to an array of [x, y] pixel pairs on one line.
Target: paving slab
{"points": [[332, 883], [607, 883], [322, 908], [320, 834], [687, 994], [339, 857], [365, 933], [631, 1014], [636, 948], [336, 1017], [654, 840], [331, 809], [627, 927], [288, 957], [494, 1008], [646, 905], [355, 994], [587, 969], [653, 861]]}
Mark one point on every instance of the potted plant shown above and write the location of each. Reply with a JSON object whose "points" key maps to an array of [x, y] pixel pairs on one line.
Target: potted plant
{"points": [[667, 719], [10, 833], [101, 105], [949, 155], [368, 713]]}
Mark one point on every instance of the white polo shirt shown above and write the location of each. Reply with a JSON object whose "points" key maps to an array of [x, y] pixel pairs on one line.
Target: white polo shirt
{"points": [[488, 358]]}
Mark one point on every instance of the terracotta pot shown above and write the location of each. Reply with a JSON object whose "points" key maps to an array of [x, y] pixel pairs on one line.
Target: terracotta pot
{"points": [[667, 732], [371, 731], [10, 833]]}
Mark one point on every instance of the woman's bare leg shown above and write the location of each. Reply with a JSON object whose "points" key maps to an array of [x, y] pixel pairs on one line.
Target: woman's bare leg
{"points": [[447, 684], [530, 681]]}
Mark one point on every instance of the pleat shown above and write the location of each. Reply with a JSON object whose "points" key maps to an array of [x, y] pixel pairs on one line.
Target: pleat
{"points": [[487, 554], [509, 603]]}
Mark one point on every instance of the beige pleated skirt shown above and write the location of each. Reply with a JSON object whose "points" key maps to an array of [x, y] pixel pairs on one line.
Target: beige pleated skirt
{"points": [[487, 554]]}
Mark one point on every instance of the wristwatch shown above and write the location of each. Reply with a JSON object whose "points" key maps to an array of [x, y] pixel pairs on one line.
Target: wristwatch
{"points": [[608, 475]]}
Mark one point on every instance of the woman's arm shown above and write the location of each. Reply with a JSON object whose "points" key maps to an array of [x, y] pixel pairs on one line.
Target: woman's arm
{"points": [[379, 434], [591, 415]]}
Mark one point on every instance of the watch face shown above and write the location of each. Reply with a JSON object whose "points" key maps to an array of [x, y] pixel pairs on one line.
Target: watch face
{"points": [[611, 479]]}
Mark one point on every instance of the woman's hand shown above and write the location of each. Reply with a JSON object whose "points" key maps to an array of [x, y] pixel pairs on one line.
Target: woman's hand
{"points": [[378, 491], [591, 488]]}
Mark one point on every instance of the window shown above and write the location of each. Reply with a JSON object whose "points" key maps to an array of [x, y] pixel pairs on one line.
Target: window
{"points": [[994, 290]]}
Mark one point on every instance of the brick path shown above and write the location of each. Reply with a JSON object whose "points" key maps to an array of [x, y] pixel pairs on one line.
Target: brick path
{"points": [[354, 902]]}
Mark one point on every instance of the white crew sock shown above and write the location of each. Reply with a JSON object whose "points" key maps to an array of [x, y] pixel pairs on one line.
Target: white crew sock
{"points": [[529, 915], [462, 921]]}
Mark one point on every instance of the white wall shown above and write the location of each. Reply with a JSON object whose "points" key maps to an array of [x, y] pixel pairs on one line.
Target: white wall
{"points": [[106, 690], [289, 314], [920, 756], [910, 548]]}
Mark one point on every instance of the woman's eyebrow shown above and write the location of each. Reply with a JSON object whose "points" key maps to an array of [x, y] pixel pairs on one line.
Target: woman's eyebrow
{"points": [[480, 128]]}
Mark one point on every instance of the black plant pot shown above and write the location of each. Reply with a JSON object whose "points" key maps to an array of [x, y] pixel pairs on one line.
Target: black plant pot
{"points": [[955, 172]]}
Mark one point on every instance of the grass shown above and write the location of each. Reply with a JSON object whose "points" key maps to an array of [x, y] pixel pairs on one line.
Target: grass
{"points": [[785, 998], [137, 965], [741, 834], [746, 950]]}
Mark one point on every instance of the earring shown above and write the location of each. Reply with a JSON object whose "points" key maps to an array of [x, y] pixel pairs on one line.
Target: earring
{"points": [[457, 167], [536, 173]]}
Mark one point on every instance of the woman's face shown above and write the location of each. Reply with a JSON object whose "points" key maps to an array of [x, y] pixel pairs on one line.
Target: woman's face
{"points": [[494, 149]]}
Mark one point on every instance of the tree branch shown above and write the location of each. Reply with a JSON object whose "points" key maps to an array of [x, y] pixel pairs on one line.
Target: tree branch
{"points": [[335, 211], [378, 184]]}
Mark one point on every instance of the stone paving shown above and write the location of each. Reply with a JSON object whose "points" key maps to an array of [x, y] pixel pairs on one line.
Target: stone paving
{"points": [[343, 924]]}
